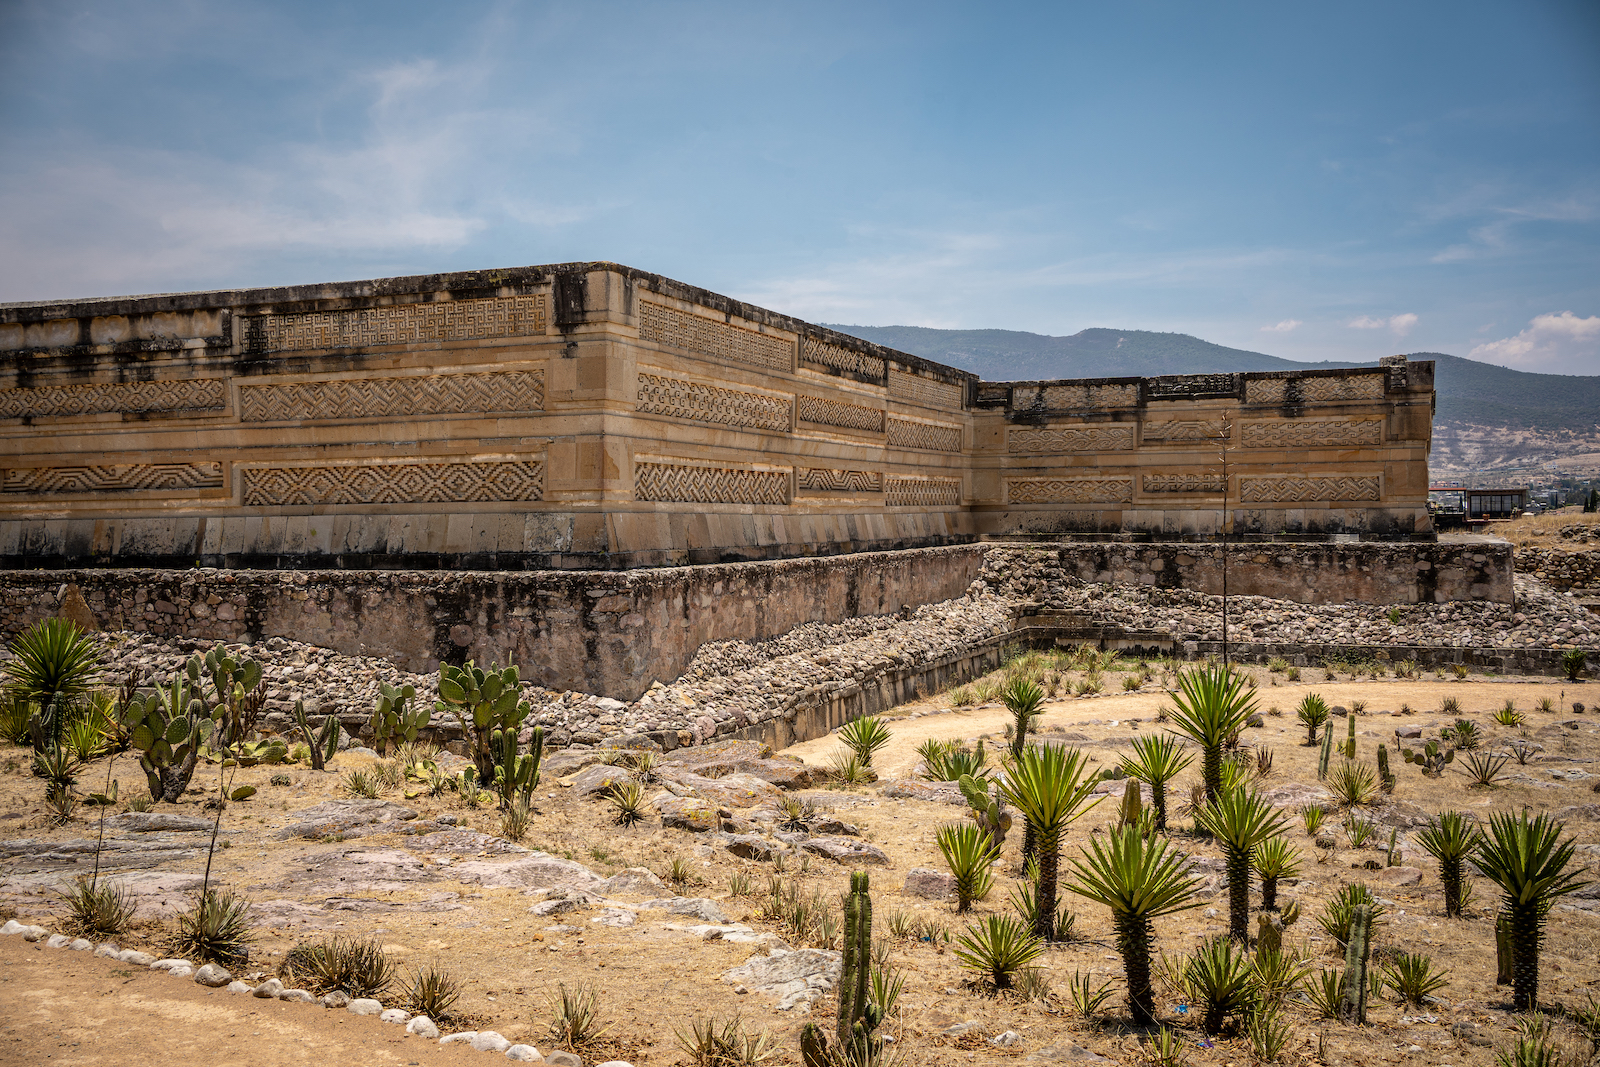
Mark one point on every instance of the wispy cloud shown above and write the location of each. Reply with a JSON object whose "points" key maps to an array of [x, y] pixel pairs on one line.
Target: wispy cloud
{"points": [[1401, 324], [1286, 326], [1554, 343]]}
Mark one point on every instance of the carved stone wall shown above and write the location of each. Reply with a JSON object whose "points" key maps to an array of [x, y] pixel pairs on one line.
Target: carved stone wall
{"points": [[700, 402], [366, 398]]}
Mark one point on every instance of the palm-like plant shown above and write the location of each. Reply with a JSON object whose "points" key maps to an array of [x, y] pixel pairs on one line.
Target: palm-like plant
{"points": [[1450, 839], [864, 737], [1275, 858], [1528, 860], [1022, 698], [1213, 704], [51, 663], [1220, 980], [1048, 786], [1139, 879], [998, 948], [969, 852], [1313, 712], [1158, 758], [1240, 820]]}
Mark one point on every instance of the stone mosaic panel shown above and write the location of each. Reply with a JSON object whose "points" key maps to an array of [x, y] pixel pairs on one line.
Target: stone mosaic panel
{"points": [[839, 481], [837, 413], [912, 492], [1069, 490], [112, 478], [1056, 439], [699, 402], [835, 357], [1183, 386], [1298, 489], [929, 392], [1292, 433], [195, 396], [683, 483], [399, 324], [907, 433], [1315, 390], [394, 483], [1075, 397], [362, 398], [1184, 483], [1183, 431], [669, 326]]}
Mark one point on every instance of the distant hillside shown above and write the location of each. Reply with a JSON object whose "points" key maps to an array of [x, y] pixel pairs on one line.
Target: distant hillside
{"points": [[1470, 393]]}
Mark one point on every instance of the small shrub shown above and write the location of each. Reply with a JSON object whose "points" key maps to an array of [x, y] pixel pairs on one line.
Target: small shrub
{"points": [[1312, 817], [1263, 762], [358, 783], [217, 928], [1277, 664], [1353, 784], [1572, 662], [738, 884], [947, 761], [865, 736], [1394, 616], [575, 1015], [1412, 976], [1460, 670], [1276, 974], [846, 768], [998, 948], [795, 813], [1292, 674], [1546, 705], [678, 872], [1449, 706], [140, 803], [517, 820], [99, 909], [431, 992], [280, 779], [354, 966], [1164, 1048], [709, 1042], [627, 802], [962, 696]]}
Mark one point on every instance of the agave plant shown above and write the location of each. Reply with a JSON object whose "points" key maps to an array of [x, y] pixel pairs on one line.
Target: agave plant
{"points": [[1313, 712], [1139, 879], [1158, 758], [1220, 980], [1048, 786], [1530, 863], [52, 663], [1450, 839], [998, 948], [1212, 705], [1240, 820], [864, 737], [1275, 858], [1023, 699], [969, 852]]}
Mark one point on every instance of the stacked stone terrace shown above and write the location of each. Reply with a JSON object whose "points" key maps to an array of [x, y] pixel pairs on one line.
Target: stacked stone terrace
{"points": [[594, 416]]}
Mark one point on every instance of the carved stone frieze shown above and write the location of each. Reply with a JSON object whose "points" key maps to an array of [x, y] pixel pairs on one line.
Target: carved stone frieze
{"points": [[1297, 433], [839, 413], [1315, 390], [834, 357], [909, 433], [900, 491], [691, 484], [822, 480], [1069, 490], [1309, 488], [394, 483], [112, 478], [399, 324], [929, 392], [1184, 431], [195, 396], [1054, 439], [1184, 483], [700, 402], [696, 333], [362, 398]]}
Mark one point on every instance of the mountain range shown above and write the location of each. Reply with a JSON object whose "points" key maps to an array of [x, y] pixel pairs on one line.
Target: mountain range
{"points": [[1487, 417]]}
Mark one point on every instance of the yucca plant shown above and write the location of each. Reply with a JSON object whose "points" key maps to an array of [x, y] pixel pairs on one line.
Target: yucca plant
{"points": [[1463, 733], [1139, 879], [354, 966], [1218, 980], [1573, 660], [1312, 817], [969, 852], [52, 663], [1212, 704], [865, 736], [627, 802], [947, 761], [1240, 820], [1157, 759], [1049, 786], [1088, 996], [1274, 859], [1024, 897], [998, 948], [1325, 991], [1509, 715], [1483, 768], [713, 1042], [1450, 839], [431, 992], [575, 1014], [846, 768], [1313, 712], [1268, 1033], [1277, 973], [99, 909], [1353, 784], [1412, 976], [1337, 912], [1023, 699], [1531, 864], [216, 927]]}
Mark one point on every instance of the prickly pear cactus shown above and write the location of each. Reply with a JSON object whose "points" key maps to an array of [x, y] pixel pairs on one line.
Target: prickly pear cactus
{"points": [[484, 702], [393, 719], [1431, 759], [323, 742], [168, 729], [232, 681], [988, 810]]}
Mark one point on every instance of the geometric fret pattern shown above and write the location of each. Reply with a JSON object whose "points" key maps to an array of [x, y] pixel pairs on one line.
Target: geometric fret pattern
{"points": [[929, 392], [1294, 433], [905, 433], [910, 492], [837, 413], [669, 326], [1069, 490], [836, 481], [191, 396], [822, 354], [1183, 432], [394, 483], [1071, 439], [112, 478], [1075, 397], [1316, 390], [1295, 489], [360, 398], [398, 324], [1184, 483], [659, 395], [683, 483]]}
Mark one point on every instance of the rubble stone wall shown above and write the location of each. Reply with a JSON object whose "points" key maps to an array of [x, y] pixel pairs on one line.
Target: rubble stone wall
{"points": [[1579, 571]]}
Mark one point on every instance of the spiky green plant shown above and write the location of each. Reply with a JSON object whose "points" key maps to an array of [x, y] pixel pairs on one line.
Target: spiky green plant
{"points": [[1049, 786], [52, 663], [1450, 839], [1023, 699], [1275, 859], [1483, 768], [998, 948], [216, 927], [1412, 976], [98, 909], [1573, 661], [486, 703], [1157, 759], [627, 802], [1337, 912], [1325, 991], [713, 1042], [1219, 980], [1269, 1034], [1212, 705], [1353, 784], [431, 992], [969, 852], [1313, 712], [357, 967], [948, 761], [1531, 864], [1140, 880], [1240, 820], [864, 737]]}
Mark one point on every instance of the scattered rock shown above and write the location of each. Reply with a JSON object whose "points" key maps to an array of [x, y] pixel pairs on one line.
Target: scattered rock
{"points": [[240, 987], [423, 1027], [349, 818], [133, 957], [525, 1054], [364, 1006], [1006, 1039], [793, 979], [464, 1037], [297, 996], [695, 907], [394, 1015], [146, 822], [489, 1041], [337, 999], [562, 1058], [930, 884], [847, 851], [693, 814], [1067, 1052], [213, 975], [754, 847], [917, 789], [634, 879], [532, 871], [268, 990], [57, 941]]}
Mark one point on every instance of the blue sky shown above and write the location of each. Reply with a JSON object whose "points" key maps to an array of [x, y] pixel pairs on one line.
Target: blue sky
{"points": [[1318, 181]]}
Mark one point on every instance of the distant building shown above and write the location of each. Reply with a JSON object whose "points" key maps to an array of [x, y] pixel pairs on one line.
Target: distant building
{"points": [[1458, 505]]}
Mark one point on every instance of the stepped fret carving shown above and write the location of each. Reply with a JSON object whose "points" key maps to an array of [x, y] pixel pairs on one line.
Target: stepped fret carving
{"points": [[912, 492], [1069, 490], [929, 392], [394, 483], [113, 478], [659, 395], [1300, 434], [1183, 432], [1315, 390], [195, 396], [1184, 483], [363, 398], [836, 357], [399, 324], [906, 433], [669, 326], [1070, 439], [1074, 397], [1180, 386], [1296, 489], [837, 413], [683, 483], [836, 481]]}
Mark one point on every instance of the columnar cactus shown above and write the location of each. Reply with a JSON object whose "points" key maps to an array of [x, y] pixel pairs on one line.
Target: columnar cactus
{"points": [[168, 729], [485, 703], [392, 719], [858, 1016], [1132, 805], [1385, 776], [1353, 1002], [1349, 748], [1327, 751], [323, 743]]}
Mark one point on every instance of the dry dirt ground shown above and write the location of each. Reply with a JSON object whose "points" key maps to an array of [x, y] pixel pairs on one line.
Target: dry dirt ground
{"points": [[66, 1007]]}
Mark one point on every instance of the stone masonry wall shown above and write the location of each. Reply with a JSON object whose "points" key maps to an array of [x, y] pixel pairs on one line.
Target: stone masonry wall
{"points": [[1579, 571]]}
